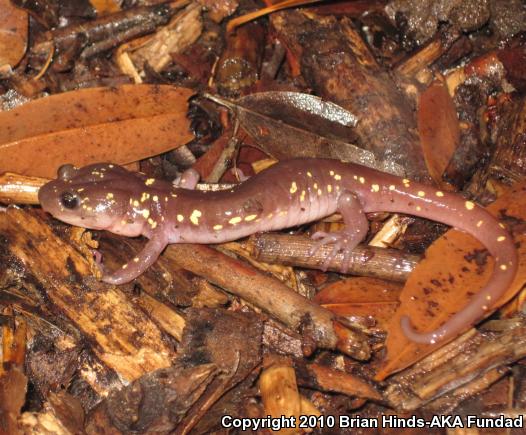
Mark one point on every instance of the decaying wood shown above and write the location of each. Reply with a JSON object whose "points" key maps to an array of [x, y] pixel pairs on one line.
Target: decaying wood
{"points": [[427, 55], [239, 64], [340, 68], [123, 338], [324, 378], [507, 164], [156, 51], [280, 394], [509, 159], [461, 363], [277, 299], [388, 264], [87, 40]]}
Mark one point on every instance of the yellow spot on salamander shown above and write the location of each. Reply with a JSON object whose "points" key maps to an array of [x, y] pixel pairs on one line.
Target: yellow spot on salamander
{"points": [[421, 193], [270, 215], [152, 223], [149, 181], [418, 208], [135, 203], [361, 179], [155, 198], [502, 225], [146, 213], [180, 218], [392, 187], [309, 174], [503, 267], [501, 238], [488, 298], [124, 266], [329, 188], [315, 185], [123, 222], [319, 192], [337, 177], [439, 193], [406, 182], [136, 260], [469, 205], [251, 217], [283, 213], [194, 217], [80, 190], [109, 196], [145, 196], [234, 220], [173, 195], [479, 224], [375, 188], [293, 187], [331, 173], [218, 227], [302, 196], [484, 307]]}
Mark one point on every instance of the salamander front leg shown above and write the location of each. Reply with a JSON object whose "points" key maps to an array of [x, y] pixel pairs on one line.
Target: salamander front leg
{"points": [[356, 227], [138, 264], [187, 180]]}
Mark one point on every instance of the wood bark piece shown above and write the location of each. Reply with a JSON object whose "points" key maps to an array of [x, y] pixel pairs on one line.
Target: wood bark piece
{"points": [[19, 189], [272, 296], [338, 65], [456, 365], [239, 64], [388, 264], [509, 160], [280, 395], [122, 337], [338, 381]]}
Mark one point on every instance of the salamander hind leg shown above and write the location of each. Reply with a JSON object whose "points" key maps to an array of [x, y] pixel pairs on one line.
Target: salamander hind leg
{"points": [[356, 227]]}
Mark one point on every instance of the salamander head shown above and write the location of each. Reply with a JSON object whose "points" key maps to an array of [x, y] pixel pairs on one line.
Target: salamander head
{"points": [[96, 196]]}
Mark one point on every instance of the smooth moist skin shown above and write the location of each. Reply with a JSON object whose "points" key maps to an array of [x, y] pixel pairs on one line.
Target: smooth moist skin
{"points": [[290, 193]]}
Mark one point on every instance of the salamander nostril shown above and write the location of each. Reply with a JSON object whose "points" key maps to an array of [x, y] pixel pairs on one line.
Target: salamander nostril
{"points": [[69, 200]]}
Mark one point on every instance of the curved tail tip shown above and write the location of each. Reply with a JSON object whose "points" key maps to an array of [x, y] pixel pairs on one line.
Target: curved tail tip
{"points": [[413, 335]]}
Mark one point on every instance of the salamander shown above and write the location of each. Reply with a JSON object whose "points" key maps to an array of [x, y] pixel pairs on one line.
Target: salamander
{"points": [[289, 193]]}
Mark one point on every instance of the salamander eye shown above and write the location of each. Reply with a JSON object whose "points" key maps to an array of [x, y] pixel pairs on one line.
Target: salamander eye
{"points": [[69, 200]]}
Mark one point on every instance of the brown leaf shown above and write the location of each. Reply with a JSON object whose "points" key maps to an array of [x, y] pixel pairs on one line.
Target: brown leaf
{"points": [[13, 34], [121, 125], [292, 124], [442, 283], [438, 129], [361, 296], [105, 6]]}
